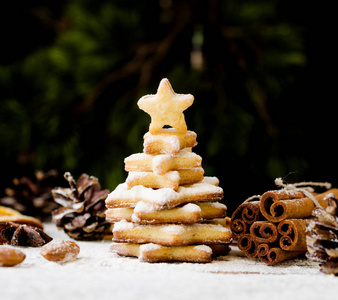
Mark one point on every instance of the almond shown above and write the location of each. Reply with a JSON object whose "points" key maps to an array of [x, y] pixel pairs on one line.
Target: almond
{"points": [[10, 256], [60, 251]]}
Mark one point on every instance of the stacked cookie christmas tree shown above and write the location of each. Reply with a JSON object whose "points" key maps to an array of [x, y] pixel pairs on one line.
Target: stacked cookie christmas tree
{"points": [[166, 210]]}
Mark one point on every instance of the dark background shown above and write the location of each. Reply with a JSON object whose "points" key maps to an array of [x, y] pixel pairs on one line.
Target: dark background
{"points": [[71, 73]]}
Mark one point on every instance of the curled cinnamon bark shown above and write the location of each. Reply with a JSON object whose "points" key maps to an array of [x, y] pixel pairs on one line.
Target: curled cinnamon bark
{"points": [[248, 245], [262, 252], [264, 232], [246, 214], [293, 233], [271, 255], [279, 205]]}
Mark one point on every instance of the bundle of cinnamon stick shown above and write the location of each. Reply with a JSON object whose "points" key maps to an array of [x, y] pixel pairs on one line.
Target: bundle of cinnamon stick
{"points": [[273, 229]]}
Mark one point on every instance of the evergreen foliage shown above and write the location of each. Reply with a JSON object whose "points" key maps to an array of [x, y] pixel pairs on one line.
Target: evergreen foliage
{"points": [[69, 102]]}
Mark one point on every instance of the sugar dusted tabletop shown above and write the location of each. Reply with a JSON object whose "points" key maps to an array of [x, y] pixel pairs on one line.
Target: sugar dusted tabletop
{"points": [[98, 274]]}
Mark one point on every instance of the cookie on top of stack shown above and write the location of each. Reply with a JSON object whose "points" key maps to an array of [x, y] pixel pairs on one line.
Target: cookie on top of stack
{"points": [[167, 210]]}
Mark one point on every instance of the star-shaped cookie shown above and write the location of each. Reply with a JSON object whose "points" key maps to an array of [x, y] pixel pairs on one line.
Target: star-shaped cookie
{"points": [[166, 107]]}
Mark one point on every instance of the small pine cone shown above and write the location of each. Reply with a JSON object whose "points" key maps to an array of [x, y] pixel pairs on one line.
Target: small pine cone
{"points": [[322, 239], [82, 211], [32, 197]]}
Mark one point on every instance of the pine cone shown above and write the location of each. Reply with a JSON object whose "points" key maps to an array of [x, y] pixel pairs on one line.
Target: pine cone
{"points": [[82, 215], [322, 239], [32, 197]]}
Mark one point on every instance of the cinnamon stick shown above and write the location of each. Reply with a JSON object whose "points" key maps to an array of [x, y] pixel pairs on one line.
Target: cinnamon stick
{"points": [[264, 232], [245, 215], [293, 234], [271, 255], [279, 205], [248, 245], [262, 252]]}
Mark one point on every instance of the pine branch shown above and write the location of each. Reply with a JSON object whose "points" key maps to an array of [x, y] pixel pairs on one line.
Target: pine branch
{"points": [[145, 60]]}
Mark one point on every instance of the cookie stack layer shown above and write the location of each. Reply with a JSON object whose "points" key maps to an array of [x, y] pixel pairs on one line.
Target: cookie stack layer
{"points": [[166, 210]]}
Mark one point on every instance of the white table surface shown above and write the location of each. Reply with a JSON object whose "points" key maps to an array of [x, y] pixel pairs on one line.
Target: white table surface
{"points": [[99, 274]]}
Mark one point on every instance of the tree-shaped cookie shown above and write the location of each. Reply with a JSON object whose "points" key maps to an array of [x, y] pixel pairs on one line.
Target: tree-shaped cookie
{"points": [[166, 210]]}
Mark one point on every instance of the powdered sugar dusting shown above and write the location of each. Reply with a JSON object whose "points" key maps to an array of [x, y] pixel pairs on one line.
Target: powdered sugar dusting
{"points": [[211, 180], [160, 159], [200, 187], [150, 247], [144, 207], [191, 207], [172, 229], [328, 196], [135, 175], [123, 225], [162, 197], [204, 248], [172, 175], [137, 156], [37, 277], [172, 140], [218, 205]]}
